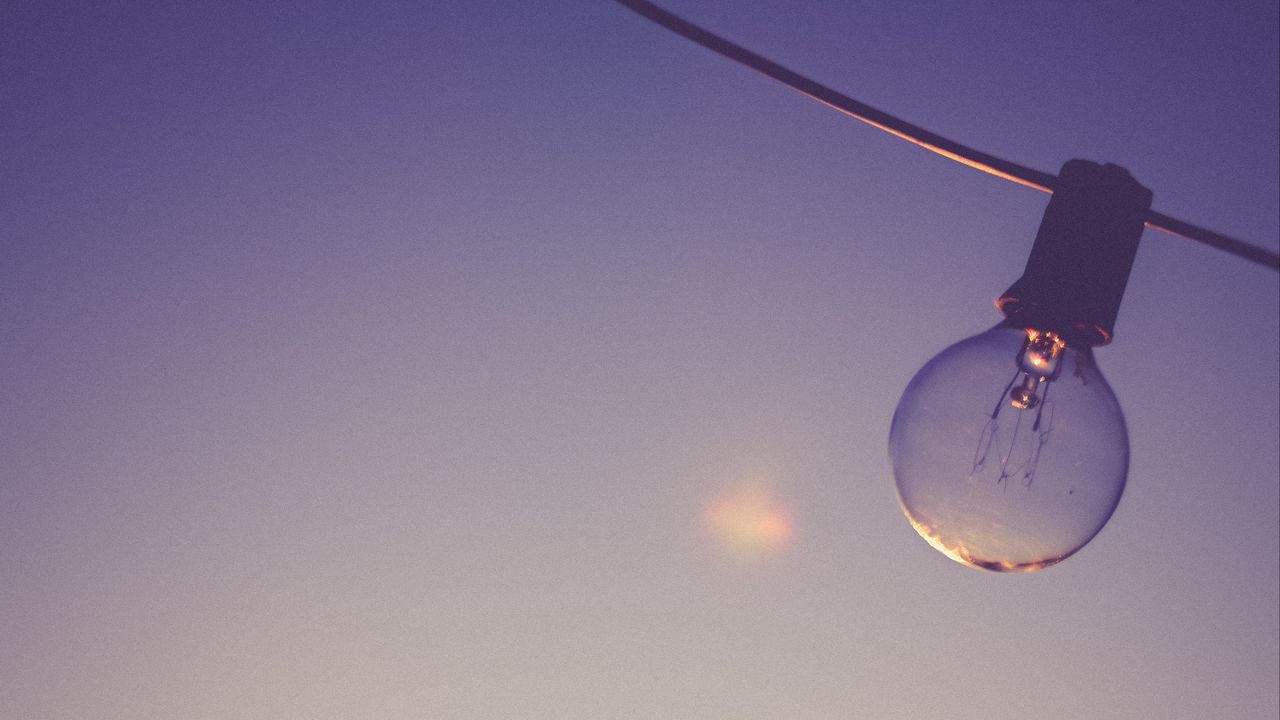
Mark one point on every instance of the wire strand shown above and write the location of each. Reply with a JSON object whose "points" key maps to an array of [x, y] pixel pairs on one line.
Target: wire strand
{"points": [[990, 164]]}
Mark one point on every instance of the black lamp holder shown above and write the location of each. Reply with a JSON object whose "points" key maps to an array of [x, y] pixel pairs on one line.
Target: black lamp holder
{"points": [[1079, 265]]}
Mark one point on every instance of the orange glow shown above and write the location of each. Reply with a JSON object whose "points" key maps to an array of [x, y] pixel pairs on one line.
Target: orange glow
{"points": [[1033, 335], [1043, 348], [749, 521], [971, 162], [962, 555]]}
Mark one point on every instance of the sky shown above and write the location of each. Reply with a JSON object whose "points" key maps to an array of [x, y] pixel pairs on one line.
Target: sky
{"points": [[473, 360]]}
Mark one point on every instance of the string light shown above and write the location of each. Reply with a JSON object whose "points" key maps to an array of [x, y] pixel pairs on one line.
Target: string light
{"points": [[1009, 449]]}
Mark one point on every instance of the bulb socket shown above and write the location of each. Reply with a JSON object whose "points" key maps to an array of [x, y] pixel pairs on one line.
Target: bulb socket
{"points": [[1079, 265]]}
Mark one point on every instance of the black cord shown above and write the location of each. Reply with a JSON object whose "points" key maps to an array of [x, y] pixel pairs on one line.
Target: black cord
{"points": [[916, 135]]}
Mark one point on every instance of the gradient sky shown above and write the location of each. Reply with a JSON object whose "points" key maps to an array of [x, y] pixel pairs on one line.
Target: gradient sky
{"points": [[477, 359]]}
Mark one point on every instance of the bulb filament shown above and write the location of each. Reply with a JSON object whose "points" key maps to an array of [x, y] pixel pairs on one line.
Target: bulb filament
{"points": [[1038, 363]]}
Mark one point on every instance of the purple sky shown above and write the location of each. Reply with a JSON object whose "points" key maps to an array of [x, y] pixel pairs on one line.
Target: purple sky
{"points": [[491, 360]]}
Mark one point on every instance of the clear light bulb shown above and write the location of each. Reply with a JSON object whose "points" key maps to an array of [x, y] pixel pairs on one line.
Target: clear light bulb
{"points": [[1009, 450]]}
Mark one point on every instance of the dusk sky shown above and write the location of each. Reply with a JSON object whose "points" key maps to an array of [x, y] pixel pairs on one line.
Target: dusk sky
{"points": [[475, 360]]}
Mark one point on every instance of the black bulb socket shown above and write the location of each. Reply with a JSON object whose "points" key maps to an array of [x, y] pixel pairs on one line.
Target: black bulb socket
{"points": [[1079, 265]]}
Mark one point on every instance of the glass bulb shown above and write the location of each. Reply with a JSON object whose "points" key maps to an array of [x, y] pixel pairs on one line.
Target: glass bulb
{"points": [[1009, 450]]}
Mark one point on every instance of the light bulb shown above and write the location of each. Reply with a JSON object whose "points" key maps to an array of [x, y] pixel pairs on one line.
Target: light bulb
{"points": [[1009, 449]]}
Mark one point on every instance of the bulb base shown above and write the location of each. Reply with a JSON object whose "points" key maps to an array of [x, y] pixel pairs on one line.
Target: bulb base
{"points": [[1079, 265]]}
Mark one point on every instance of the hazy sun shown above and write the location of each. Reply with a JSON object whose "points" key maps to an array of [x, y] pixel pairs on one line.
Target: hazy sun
{"points": [[749, 520]]}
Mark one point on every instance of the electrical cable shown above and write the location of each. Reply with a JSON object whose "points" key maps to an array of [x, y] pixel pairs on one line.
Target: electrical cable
{"points": [[1013, 172]]}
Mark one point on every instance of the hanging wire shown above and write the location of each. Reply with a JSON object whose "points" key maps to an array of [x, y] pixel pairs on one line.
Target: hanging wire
{"points": [[1013, 172]]}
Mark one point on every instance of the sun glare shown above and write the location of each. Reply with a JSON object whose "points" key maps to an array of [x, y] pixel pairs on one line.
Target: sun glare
{"points": [[749, 521]]}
